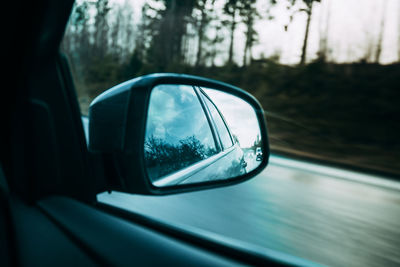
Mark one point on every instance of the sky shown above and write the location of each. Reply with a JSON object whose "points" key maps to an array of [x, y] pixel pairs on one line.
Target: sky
{"points": [[239, 116], [351, 25]]}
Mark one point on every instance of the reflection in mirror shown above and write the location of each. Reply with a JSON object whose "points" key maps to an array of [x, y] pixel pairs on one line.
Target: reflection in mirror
{"points": [[199, 134]]}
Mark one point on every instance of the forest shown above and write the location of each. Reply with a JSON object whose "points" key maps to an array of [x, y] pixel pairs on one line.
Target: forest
{"points": [[343, 113]]}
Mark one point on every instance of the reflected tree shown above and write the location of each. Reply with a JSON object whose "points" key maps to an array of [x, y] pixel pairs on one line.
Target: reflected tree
{"points": [[163, 158], [257, 143]]}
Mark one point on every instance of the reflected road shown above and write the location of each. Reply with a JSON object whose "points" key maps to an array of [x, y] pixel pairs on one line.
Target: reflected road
{"points": [[325, 215]]}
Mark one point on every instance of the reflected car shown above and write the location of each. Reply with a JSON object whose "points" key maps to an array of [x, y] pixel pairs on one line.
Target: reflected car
{"points": [[259, 154], [187, 138]]}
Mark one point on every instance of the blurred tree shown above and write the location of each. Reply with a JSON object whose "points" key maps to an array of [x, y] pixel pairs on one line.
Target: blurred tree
{"points": [[324, 97], [76, 43], [249, 14], [324, 28], [382, 28], [76, 36], [128, 30], [204, 9], [398, 34], [168, 27], [117, 30], [144, 33], [232, 9], [213, 43], [101, 28], [370, 44], [308, 9]]}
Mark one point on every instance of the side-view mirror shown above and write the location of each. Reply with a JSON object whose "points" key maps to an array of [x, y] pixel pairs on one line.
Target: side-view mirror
{"points": [[169, 133]]}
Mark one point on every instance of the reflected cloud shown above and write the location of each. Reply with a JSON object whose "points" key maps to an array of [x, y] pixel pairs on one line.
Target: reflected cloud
{"points": [[239, 115]]}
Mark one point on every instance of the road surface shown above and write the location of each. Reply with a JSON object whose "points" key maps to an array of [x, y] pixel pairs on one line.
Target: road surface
{"points": [[326, 215]]}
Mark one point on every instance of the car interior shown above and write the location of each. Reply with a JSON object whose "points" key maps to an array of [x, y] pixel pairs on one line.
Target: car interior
{"points": [[49, 180]]}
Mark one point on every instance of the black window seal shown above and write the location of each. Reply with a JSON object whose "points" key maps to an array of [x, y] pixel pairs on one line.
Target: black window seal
{"points": [[214, 130], [223, 120]]}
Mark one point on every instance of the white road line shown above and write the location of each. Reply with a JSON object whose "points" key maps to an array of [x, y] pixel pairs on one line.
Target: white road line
{"points": [[335, 172]]}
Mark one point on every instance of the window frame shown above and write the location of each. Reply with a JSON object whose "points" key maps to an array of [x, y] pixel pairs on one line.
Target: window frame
{"points": [[185, 173], [204, 94], [211, 123], [191, 169]]}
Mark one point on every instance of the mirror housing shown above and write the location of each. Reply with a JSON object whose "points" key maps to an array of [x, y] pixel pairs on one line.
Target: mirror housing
{"points": [[117, 125]]}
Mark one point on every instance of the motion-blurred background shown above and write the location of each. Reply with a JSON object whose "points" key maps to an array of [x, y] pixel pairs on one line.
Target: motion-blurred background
{"points": [[327, 72]]}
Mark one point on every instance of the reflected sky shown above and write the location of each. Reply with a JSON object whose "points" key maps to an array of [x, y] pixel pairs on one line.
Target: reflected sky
{"points": [[239, 115], [175, 113]]}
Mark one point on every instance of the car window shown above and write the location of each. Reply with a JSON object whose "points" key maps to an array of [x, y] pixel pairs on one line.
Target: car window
{"points": [[223, 132], [327, 75], [178, 133]]}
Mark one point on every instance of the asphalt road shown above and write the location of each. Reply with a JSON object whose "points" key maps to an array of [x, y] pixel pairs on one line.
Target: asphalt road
{"points": [[326, 215]]}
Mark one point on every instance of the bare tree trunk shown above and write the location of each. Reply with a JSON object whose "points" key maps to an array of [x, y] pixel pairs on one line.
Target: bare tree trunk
{"points": [[245, 54], [369, 52], [382, 28], [324, 32], [214, 48], [127, 32], [398, 34], [247, 51], [200, 34], [115, 34], [304, 50], [247, 42], [101, 35], [233, 27]]}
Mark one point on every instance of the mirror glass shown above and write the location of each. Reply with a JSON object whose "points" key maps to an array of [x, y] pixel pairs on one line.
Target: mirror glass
{"points": [[196, 134]]}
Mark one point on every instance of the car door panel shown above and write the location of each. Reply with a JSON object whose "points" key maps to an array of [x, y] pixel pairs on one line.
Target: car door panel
{"points": [[40, 242], [122, 243], [226, 166]]}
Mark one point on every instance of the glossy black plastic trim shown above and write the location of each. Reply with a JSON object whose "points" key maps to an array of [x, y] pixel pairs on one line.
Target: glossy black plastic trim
{"points": [[243, 252]]}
